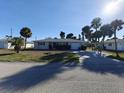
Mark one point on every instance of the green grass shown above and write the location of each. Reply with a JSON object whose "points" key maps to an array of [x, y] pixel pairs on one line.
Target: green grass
{"points": [[112, 54], [38, 56]]}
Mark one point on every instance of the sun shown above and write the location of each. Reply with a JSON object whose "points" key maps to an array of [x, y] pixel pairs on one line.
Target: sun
{"points": [[111, 8]]}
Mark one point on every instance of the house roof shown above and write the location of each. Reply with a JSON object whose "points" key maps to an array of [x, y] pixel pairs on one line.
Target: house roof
{"points": [[112, 41], [59, 40]]}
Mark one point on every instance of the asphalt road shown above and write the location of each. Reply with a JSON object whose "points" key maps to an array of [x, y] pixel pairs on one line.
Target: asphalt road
{"points": [[93, 75]]}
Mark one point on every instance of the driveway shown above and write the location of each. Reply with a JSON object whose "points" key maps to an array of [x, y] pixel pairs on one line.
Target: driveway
{"points": [[94, 74]]}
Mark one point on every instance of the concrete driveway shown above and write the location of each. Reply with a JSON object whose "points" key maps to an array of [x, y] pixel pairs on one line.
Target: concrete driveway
{"points": [[93, 75]]}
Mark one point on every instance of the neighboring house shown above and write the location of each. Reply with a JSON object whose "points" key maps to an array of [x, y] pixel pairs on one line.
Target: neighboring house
{"points": [[3, 43], [7, 45], [58, 44], [110, 44], [30, 45]]}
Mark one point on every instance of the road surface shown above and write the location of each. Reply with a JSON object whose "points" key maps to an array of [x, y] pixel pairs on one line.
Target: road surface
{"points": [[93, 75]]}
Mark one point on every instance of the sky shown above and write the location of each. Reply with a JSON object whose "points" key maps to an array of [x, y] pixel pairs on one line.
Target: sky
{"points": [[46, 18]]}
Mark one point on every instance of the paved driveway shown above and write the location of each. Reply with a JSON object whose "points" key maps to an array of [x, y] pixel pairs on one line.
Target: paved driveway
{"points": [[93, 75]]}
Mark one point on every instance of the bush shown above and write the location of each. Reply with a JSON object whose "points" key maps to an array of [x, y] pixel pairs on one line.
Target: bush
{"points": [[83, 47]]}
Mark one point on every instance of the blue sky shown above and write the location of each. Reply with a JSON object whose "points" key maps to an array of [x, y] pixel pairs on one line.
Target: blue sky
{"points": [[47, 18]]}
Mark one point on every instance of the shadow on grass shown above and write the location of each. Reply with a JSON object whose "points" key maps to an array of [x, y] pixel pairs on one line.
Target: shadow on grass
{"points": [[4, 54], [114, 57], [30, 77], [103, 65], [60, 57]]}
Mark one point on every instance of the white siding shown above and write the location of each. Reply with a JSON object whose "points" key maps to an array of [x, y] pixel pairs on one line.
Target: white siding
{"points": [[75, 46], [10, 46], [3, 44], [29, 45], [120, 46]]}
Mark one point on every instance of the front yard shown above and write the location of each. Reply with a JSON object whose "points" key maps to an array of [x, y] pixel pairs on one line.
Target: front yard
{"points": [[112, 54], [37, 56]]}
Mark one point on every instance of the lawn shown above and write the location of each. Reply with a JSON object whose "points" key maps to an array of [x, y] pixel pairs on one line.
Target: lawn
{"points": [[112, 54], [38, 56]]}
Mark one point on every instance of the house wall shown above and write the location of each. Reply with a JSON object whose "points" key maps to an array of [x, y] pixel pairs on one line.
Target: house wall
{"points": [[10, 46], [74, 46], [111, 46], [29, 45], [38, 46], [3, 44]]}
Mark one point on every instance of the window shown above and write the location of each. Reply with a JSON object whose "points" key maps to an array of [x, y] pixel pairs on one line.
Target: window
{"points": [[110, 44], [41, 43]]}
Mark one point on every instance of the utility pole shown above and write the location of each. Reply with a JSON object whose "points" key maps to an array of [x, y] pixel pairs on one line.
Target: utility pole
{"points": [[11, 33], [35, 37]]}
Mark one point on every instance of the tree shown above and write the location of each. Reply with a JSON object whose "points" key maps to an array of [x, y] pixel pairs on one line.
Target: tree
{"points": [[116, 26], [17, 42], [82, 33], [95, 24], [79, 37], [69, 36], [62, 35], [98, 35], [106, 30], [26, 33], [86, 32], [74, 37]]}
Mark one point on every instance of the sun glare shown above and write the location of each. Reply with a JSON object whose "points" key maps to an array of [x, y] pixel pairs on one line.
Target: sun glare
{"points": [[111, 8]]}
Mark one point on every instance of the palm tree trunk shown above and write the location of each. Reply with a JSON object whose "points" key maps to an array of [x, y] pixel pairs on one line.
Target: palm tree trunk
{"points": [[116, 46], [98, 40], [25, 43], [83, 37], [103, 42]]}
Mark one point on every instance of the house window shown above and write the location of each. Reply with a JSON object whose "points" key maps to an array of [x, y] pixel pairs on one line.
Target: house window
{"points": [[41, 43], [110, 44], [62, 43]]}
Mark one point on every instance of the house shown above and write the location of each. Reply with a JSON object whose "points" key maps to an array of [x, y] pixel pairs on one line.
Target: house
{"points": [[110, 44], [5, 44], [58, 44], [29, 45]]}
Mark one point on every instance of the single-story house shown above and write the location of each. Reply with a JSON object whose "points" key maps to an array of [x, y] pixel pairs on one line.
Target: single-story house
{"points": [[4, 44], [110, 44], [58, 44], [30, 45]]}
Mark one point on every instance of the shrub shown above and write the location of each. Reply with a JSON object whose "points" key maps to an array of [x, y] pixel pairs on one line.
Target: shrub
{"points": [[83, 47]]}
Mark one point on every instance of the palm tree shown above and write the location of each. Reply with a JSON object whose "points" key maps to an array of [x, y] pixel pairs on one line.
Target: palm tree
{"points": [[82, 33], [95, 24], [26, 33], [17, 42], [62, 35], [106, 30], [116, 26], [86, 32], [69, 36], [79, 37]]}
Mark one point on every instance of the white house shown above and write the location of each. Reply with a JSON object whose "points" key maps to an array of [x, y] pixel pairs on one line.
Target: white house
{"points": [[110, 44], [7, 45], [30, 45], [58, 44]]}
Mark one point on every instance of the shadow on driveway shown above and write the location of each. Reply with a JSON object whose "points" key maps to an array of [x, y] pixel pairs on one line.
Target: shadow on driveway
{"points": [[102, 65], [32, 76]]}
